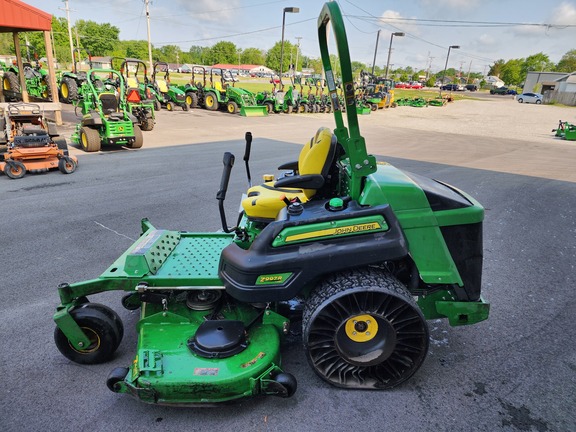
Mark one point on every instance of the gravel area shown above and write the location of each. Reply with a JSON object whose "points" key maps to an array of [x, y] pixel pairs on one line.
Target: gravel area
{"points": [[498, 118]]}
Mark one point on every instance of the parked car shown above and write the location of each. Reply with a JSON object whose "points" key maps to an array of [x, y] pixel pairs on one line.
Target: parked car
{"points": [[529, 98], [503, 91], [471, 87], [400, 85], [415, 85], [451, 87]]}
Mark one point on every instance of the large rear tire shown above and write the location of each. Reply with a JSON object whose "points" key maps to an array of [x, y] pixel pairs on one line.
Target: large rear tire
{"points": [[138, 138], [211, 102], [362, 329], [68, 90], [90, 139], [192, 99]]}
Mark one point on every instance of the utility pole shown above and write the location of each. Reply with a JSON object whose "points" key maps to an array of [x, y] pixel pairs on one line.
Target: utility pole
{"points": [[375, 51], [297, 52], [147, 2], [469, 69], [67, 9], [430, 58]]}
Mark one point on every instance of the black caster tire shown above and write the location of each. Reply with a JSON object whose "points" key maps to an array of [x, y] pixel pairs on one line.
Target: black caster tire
{"points": [[66, 165], [116, 375], [131, 302], [288, 382], [103, 331]]}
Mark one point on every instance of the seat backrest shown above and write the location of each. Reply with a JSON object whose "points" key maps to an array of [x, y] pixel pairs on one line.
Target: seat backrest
{"points": [[317, 156], [109, 102], [218, 86], [132, 82], [162, 85]]}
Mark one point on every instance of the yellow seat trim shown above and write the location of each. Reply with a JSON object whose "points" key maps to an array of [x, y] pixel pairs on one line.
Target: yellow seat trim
{"points": [[264, 202], [132, 82]]}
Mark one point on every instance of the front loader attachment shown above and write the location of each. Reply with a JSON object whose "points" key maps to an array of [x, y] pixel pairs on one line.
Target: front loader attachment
{"points": [[254, 111]]}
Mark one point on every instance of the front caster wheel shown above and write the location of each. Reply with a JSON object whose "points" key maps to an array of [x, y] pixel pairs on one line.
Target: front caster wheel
{"points": [[102, 326], [288, 384], [116, 376], [362, 329]]}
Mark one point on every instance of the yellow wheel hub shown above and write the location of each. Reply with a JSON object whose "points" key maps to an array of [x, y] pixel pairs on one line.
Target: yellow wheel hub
{"points": [[64, 90], [361, 328]]}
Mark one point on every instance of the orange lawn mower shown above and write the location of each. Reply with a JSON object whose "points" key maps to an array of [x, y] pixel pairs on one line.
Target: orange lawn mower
{"points": [[29, 143]]}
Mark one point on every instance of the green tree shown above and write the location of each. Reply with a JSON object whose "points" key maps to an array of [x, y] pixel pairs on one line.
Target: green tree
{"points": [[100, 39], [221, 52], [496, 68], [169, 54], [512, 72], [537, 62], [568, 62], [253, 56], [137, 49], [273, 56], [195, 53]]}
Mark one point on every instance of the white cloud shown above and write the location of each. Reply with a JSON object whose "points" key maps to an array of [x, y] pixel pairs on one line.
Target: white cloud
{"points": [[392, 18], [452, 4], [564, 14], [208, 10]]}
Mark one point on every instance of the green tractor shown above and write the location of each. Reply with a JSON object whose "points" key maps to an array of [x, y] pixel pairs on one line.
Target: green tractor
{"points": [[106, 118], [70, 82], [565, 131], [194, 90], [365, 251], [36, 78], [220, 94], [278, 101], [167, 95]]}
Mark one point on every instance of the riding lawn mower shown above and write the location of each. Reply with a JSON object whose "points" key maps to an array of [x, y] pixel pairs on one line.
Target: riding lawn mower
{"points": [[368, 251], [31, 143]]}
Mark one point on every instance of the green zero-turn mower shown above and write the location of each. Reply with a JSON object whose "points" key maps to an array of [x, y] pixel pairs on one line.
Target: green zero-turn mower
{"points": [[105, 115], [370, 253]]}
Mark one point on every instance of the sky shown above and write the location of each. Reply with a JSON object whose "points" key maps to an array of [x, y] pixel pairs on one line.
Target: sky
{"points": [[485, 30]]}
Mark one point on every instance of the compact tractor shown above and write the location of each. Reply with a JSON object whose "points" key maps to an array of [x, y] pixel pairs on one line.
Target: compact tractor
{"points": [[30, 144], [220, 94], [368, 251], [70, 82], [36, 79], [106, 118], [168, 95]]}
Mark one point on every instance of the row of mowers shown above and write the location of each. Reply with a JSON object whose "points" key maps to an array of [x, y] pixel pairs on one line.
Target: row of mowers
{"points": [[360, 253]]}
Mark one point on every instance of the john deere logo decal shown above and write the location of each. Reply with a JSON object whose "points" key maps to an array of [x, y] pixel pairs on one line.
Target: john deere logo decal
{"points": [[332, 229], [120, 128]]}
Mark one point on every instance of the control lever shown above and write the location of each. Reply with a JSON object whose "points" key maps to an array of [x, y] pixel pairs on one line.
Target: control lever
{"points": [[228, 161]]}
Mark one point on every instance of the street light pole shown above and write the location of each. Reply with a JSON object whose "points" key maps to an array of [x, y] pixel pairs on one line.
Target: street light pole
{"points": [[289, 10], [446, 65], [390, 50]]}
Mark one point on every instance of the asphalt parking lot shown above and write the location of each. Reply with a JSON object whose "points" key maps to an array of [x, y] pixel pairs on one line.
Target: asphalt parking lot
{"points": [[513, 372]]}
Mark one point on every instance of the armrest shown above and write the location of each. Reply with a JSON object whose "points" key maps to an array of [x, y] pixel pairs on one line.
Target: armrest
{"points": [[289, 166]]}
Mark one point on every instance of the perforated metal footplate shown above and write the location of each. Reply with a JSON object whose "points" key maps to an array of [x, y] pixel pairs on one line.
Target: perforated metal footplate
{"points": [[196, 257]]}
